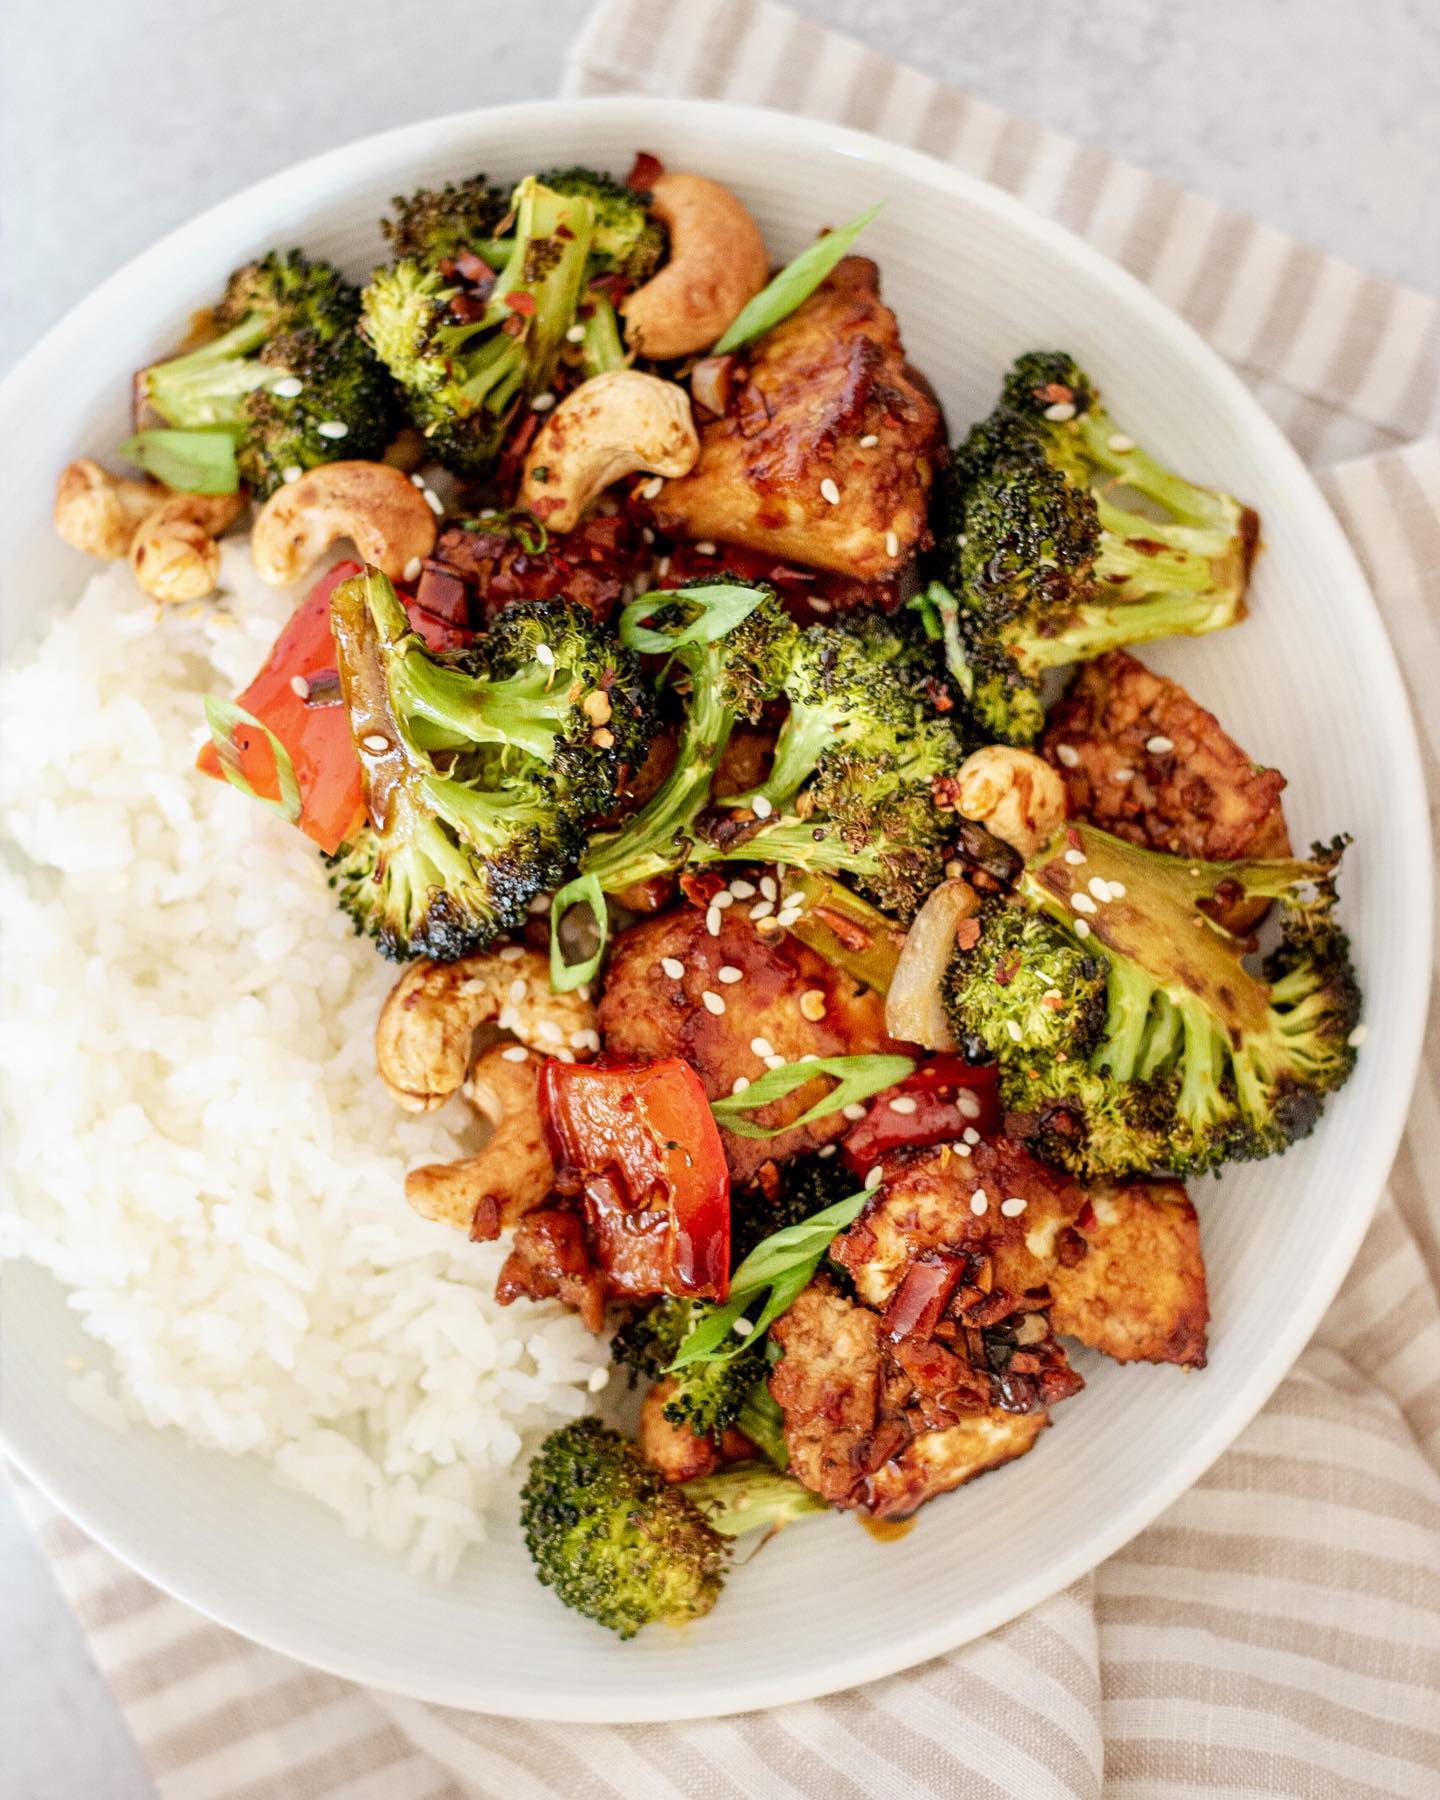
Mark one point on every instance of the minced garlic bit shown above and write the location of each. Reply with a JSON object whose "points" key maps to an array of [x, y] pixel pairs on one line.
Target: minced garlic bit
{"points": [[812, 1002]]}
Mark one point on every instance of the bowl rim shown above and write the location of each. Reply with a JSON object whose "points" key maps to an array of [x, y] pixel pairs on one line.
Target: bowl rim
{"points": [[769, 130]]}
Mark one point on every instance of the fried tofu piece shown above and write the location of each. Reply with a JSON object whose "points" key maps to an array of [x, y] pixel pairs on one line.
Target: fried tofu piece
{"points": [[648, 1013], [1137, 1290], [1143, 760], [828, 405], [855, 1432]]}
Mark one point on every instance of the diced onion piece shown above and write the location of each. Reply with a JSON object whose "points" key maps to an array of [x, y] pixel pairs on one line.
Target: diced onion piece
{"points": [[914, 1008]]}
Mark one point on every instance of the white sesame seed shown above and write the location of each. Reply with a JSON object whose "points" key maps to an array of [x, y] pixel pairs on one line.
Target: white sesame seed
{"points": [[1159, 745], [1083, 903], [375, 743], [712, 1002], [333, 428], [818, 605], [761, 807], [704, 547], [598, 1379], [1194, 872], [827, 1150], [869, 441], [542, 403], [962, 538], [544, 654], [433, 500], [510, 952], [1358, 1036], [789, 916], [762, 1047], [967, 1105], [775, 1062], [1118, 890], [419, 482], [723, 899], [647, 535], [1075, 858], [517, 991], [829, 491], [290, 474], [739, 1084], [652, 488], [540, 904], [762, 909], [979, 1203], [672, 966], [575, 335], [904, 1104], [875, 1177], [1100, 888], [515, 1053], [768, 887], [742, 890], [288, 387], [742, 1328], [1061, 410], [853, 1112], [549, 1032], [1013, 1029], [970, 1135], [1013, 1207], [300, 686], [1119, 443], [962, 1150], [1081, 928], [1122, 775], [1068, 755], [730, 974], [892, 543], [714, 918], [412, 569]]}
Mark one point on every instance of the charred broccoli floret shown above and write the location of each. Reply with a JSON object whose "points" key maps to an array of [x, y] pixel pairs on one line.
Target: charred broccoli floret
{"points": [[287, 374], [729, 644], [468, 357], [435, 225], [623, 1547], [708, 1396], [629, 240], [1040, 561], [808, 1184], [480, 772], [1196, 1059]]}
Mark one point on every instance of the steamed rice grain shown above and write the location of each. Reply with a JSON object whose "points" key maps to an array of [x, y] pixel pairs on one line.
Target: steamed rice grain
{"points": [[196, 1142]]}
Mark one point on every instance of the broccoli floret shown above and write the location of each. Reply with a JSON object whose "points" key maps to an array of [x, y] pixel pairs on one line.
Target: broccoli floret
{"points": [[629, 240], [808, 1184], [1197, 1060], [1040, 562], [708, 1396], [901, 641], [466, 363], [622, 1546], [480, 772], [436, 225], [287, 367], [731, 667]]}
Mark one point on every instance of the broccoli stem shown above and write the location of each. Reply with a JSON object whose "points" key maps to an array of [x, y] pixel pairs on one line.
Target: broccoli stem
{"points": [[794, 842], [750, 1497], [206, 386], [1091, 630], [1137, 469], [602, 349]]}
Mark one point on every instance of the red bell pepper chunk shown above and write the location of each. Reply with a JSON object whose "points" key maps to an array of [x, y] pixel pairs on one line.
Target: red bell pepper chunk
{"points": [[639, 1142], [939, 1117], [316, 738]]}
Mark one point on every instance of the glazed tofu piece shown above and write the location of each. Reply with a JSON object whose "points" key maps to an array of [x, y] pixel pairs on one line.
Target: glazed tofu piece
{"points": [[770, 996], [1143, 760], [827, 449], [1136, 1290]]}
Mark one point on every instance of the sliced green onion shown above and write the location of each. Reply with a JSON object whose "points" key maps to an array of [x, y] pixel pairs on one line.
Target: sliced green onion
{"points": [[223, 718], [585, 890], [795, 283], [190, 462], [722, 606], [783, 1263], [856, 1078]]}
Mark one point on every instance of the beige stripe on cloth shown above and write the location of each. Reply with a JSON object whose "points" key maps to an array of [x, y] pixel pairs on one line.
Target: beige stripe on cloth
{"points": [[1277, 1631]]}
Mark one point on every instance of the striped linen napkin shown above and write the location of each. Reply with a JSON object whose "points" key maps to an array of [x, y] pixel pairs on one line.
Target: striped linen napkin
{"points": [[1277, 1631]]}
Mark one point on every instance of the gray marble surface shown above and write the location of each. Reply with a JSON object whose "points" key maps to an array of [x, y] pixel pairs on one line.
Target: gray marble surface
{"points": [[121, 118]]}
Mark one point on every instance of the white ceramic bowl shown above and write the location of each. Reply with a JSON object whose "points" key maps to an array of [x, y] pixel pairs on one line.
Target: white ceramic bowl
{"points": [[1309, 683]]}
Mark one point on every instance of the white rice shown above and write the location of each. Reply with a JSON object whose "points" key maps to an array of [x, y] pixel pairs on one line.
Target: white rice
{"points": [[196, 1140]]}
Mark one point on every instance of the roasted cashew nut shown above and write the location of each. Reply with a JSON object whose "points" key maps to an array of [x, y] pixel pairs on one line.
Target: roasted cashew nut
{"points": [[1015, 795], [98, 512], [512, 1173], [611, 426], [427, 1024], [717, 263], [174, 553], [377, 507]]}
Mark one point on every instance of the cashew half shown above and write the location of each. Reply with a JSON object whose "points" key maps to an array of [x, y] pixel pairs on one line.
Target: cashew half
{"points": [[512, 1173], [717, 263], [426, 1026], [1018, 797], [377, 507], [174, 553], [611, 426], [98, 512]]}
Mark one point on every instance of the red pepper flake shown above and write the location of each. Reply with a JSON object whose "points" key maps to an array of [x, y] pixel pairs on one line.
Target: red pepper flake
{"points": [[562, 230], [967, 933], [645, 171], [1055, 392], [700, 890], [1072, 837], [521, 302]]}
